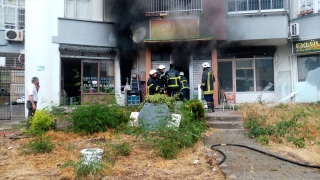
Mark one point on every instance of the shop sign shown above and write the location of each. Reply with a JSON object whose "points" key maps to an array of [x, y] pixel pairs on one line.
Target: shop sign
{"points": [[309, 46], [175, 28]]}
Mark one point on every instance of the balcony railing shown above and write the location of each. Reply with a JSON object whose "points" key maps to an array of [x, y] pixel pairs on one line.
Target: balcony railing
{"points": [[236, 7], [171, 7]]}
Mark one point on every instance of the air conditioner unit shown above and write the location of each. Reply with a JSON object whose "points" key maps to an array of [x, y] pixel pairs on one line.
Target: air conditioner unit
{"points": [[294, 30], [165, 13], [13, 35]]}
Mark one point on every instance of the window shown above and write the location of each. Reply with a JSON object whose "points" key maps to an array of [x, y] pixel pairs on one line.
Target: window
{"points": [[309, 69], [108, 11], [92, 78], [255, 75], [12, 14], [255, 6], [80, 9], [308, 7]]}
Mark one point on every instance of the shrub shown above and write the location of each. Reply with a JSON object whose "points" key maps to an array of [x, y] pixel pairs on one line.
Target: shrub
{"points": [[40, 145], [41, 122], [97, 117], [122, 149], [159, 99]]}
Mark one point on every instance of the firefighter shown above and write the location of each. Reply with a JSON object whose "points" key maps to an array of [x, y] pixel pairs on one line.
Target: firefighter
{"points": [[152, 84], [184, 87], [173, 79], [161, 78], [207, 85]]}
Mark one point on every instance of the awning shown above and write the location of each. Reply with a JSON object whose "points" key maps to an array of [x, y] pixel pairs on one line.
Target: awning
{"points": [[201, 39]]}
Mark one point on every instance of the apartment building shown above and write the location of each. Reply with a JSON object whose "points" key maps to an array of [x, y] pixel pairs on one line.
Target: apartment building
{"points": [[257, 48]]}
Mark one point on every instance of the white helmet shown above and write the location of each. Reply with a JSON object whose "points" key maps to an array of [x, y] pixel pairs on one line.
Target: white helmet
{"points": [[152, 71], [181, 73], [205, 65], [161, 67]]}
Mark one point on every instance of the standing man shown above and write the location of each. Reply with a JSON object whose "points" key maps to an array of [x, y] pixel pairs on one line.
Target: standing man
{"points": [[161, 78], [153, 87], [184, 87], [173, 80], [32, 93], [207, 85]]}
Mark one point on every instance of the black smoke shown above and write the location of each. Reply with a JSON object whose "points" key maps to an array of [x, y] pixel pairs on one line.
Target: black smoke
{"points": [[126, 14]]}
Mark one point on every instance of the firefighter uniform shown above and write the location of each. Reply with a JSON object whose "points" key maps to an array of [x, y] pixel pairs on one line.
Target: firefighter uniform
{"points": [[207, 86], [184, 87], [173, 80], [161, 80], [152, 84]]}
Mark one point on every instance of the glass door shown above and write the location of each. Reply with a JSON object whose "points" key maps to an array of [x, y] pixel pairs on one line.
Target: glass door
{"points": [[226, 81]]}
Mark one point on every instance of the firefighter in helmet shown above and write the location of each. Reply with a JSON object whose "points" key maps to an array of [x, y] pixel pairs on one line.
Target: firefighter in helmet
{"points": [[173, 80], [184, 87], [152, 84], [207, 85], [161, 78]]}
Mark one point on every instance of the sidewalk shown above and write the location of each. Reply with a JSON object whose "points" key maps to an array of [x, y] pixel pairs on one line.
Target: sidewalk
{"points": [[243, 163]]}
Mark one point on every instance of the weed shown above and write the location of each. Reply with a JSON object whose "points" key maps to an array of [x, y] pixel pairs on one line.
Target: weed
{"points": [[40, 145], [122, 149], [85, 170], [160, 99], [196, 108], [263, 140]]}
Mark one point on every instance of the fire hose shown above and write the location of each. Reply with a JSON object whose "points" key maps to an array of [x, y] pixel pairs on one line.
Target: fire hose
{"points": [[262, 152]]}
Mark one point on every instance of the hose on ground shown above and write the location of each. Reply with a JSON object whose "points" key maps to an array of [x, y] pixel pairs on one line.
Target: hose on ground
{"points": [[262, 152]]}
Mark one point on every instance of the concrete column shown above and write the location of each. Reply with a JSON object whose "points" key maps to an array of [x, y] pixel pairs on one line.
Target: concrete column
{"points": [[148, 64], [214, 62], [42, 57]]}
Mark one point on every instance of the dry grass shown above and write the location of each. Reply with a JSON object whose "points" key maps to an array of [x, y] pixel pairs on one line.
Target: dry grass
{"points": [[140, 164], [309, 119]]}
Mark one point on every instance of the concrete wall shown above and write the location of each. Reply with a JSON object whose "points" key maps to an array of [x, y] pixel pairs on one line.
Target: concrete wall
{"points": [[81, 32], [41, 25], [309, 26], [256, 27], [9, 46]]}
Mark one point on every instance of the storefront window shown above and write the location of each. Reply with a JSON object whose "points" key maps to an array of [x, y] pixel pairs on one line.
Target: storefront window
{"points": [[107, 76], [244, 76], [264, 75], [309, 69], [91, 76]]}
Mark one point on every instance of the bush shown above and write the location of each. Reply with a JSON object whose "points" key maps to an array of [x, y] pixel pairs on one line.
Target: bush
{"points": [[169, 141], [40, 145], [97, 117], [160, 99], [122, 149], [41, 122]]}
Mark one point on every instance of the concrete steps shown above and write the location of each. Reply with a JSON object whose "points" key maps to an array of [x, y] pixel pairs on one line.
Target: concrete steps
{"points": [[225, 120]]}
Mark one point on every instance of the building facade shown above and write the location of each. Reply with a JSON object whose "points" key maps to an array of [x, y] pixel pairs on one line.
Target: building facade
{"points": [[259, 50]]}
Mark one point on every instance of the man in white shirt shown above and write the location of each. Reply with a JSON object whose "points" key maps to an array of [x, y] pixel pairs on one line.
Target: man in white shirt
{"points": [[32, 92]]}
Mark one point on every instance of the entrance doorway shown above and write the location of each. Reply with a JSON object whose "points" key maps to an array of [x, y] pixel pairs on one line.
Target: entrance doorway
{"points": [[70, 86], [226, 81]]}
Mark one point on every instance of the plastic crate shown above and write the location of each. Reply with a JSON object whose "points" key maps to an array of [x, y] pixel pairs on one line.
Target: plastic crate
{"points": [[133, 100]]}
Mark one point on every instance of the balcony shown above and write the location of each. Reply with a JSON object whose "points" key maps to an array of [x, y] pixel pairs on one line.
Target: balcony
{"points": [[242, 7], [171, 7]]}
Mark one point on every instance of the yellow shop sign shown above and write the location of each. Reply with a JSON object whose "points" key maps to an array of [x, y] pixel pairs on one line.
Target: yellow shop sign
{"points": [[309, 46]]}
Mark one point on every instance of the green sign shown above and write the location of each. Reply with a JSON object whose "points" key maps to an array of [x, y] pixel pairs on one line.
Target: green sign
{"points": [[309, 46]]}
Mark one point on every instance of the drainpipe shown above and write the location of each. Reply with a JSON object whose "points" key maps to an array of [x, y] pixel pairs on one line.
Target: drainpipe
{"points": [[291, 56]]}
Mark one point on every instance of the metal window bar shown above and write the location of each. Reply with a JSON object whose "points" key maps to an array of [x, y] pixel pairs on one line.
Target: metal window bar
{"points": [[255, 6], [12, 14], [174, 7]]}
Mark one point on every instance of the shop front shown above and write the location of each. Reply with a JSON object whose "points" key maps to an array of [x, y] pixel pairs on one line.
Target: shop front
{"points": [[88, 74], [179, 41], [307, 87]]}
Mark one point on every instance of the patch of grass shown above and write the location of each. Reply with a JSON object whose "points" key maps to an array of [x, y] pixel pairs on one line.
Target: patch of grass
{"points": [[296, 124], [122, 149], [81, 170], [40, 145]]}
